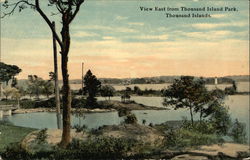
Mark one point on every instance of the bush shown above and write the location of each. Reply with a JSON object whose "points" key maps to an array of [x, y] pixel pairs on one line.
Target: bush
{"points": [[50, 103], [238, 132], [14, 152], [130, 119], [181, 138], [103, 147], [78, 102], [79, 128], [27, 104], [204, 127], [123, 112]]}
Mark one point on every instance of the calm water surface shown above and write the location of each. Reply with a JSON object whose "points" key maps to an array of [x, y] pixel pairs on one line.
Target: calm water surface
{"points": [[238, 108], [241, 86]]}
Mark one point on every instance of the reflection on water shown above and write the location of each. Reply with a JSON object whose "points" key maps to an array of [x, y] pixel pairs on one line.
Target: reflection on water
{"points": [[238, 104]]}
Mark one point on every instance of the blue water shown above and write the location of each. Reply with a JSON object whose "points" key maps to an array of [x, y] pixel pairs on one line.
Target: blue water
{"points": [[238, 108]]}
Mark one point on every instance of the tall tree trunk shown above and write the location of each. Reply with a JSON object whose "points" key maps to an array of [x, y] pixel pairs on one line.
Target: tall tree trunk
{"points": [[191, 114], [66, 88], [57, 94], [1, 89]]}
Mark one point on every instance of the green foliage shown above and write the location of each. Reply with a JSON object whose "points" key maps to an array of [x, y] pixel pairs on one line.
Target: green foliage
{"points": [[130, 119], [11, 134], [50, 103], [14, 82], [220, 119], [180, 138], [125, 97], [203, 127], [107, 91], [191, 93], [230, 90], [241, 155], [104, 147], [79, 128], [38, 86], [48, 88], [91, 86], [14, 151], [78, 102], [8, 72], [137, 90], [123, 112], [238, 132], [27, 103], [7, 92], [41, 136]]}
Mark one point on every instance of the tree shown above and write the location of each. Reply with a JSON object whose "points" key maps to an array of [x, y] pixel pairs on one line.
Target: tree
{"points": [[238, 132], [67, 10], [107, 91], [231, 90], [8, 72], [48, 88], [7, 92], [191, 93], [13, 93], [35, 86], [92, 86], [126, 94], [137, 90], [16, 95], [219, 118]]}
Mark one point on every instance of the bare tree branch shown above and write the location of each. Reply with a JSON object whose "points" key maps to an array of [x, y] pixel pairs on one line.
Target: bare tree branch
{"points": [[19, 3], [37, 5], [78, 5]]}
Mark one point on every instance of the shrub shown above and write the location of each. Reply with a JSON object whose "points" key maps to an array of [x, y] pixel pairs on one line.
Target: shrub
{"points": [[79, 128], [181, 138], [103, 147], [241, 155], [27, 104], [238, 132], [15, 151], [123, 112], [78, 102], [130, 119], [204, 127], [49, 103]]}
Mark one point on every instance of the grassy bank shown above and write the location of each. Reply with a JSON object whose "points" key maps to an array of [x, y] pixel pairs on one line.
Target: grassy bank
{"points": [[11, 134]]}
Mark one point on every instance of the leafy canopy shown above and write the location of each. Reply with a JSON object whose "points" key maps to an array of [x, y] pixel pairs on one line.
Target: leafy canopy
{"points": [[8, 72]]}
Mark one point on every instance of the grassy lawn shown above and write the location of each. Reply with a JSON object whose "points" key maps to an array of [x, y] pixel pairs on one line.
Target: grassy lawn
{"points": [[10, 134]]}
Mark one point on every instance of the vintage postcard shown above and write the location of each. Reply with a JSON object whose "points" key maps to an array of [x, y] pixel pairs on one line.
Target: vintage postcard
{"points": [[124, 79]]}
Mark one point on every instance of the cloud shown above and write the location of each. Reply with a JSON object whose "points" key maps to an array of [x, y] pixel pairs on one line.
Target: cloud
{"points": [[84, 34], [108, 38], [105, 28], [114, 58], [136, 23], [121, 18], [212, 35], [218, 25], [219, 15], [152, 37]]}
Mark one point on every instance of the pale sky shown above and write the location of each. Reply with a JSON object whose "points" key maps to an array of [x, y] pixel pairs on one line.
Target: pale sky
{"points": [[115, 39]]}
